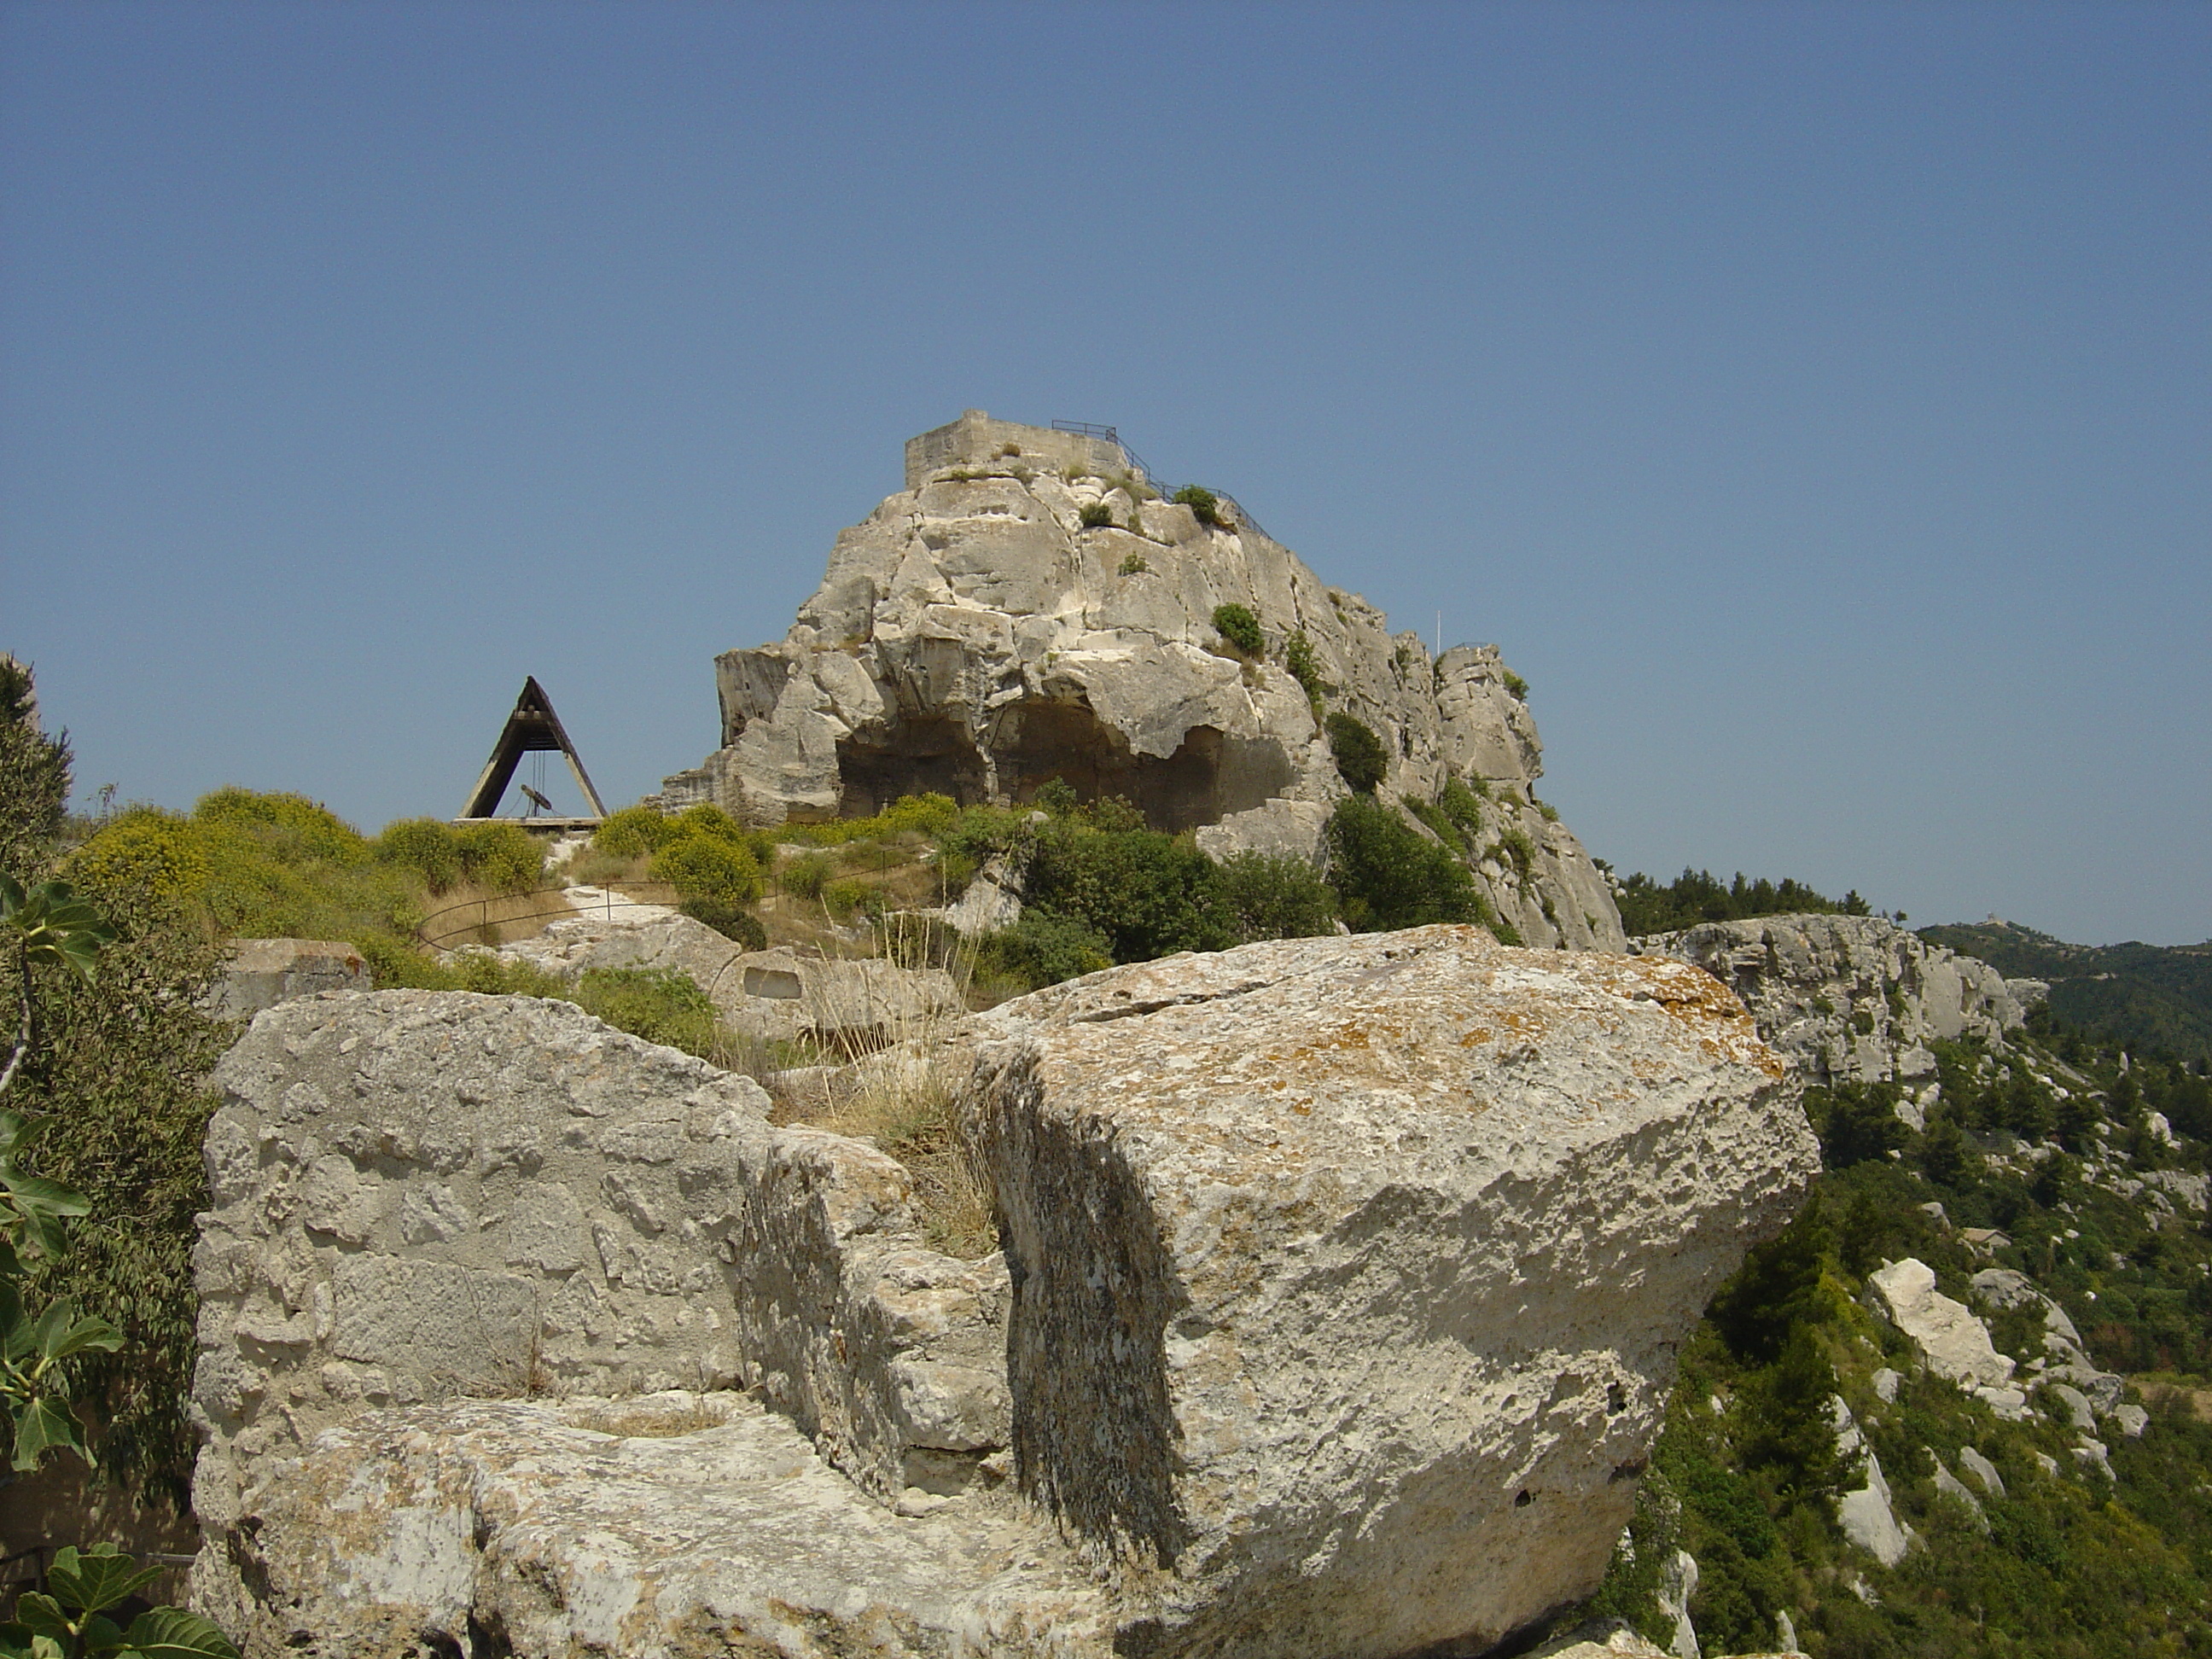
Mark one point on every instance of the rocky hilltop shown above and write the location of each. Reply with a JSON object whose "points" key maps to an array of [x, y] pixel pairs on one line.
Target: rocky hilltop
{"points": [[1030, 608]]}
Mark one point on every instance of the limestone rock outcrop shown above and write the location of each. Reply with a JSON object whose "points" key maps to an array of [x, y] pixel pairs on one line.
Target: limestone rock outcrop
{"points": [[260, 973], [1848, 999], [975, 635], [1342, 1286], [419, 1196], [1347, 1273], [850, 1003]]}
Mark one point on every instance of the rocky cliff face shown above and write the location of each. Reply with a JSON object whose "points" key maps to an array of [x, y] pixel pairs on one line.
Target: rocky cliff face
{"points": [[983, 632], [1850, 999]]}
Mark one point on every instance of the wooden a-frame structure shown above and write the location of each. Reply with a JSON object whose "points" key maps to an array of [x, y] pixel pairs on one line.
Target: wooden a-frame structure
{"points": [[532, 726]]}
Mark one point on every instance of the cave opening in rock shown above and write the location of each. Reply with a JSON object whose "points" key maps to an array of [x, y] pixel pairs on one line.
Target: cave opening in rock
{"points": [[1209, 776], [922, 756]]}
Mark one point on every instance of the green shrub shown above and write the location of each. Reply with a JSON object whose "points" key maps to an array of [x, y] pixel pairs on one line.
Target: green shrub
{"points": [[145, 852], [1520, 852], [1041, 950], [659, 1005], [309, 827], [1388, 876], [732, 922], [429, 846], [708, 819], [290, 870], [1439, 821], [1134, 564], [1361, 759], [633, 832], [806, 875], [1147, 894], [504, 857], [1298, 658], [1697, 895], [1271, 897], [1097, 516], [710, 870], [1236, 624], [928, 814], [841, 898], [1463, 807], [1206, 506], [1516, 686], [494, 975]]}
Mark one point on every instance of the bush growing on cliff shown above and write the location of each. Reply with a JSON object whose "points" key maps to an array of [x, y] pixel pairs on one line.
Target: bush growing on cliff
{"points": [[1360, 758], [1389, 876], [1147, 894], [1041, 949], [1206, 506], [1097, 516], [1236, 624], [1305, 668], [1271, 897]]}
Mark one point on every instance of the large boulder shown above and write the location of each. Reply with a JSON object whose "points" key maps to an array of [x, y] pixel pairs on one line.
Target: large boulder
{"points": [[1348, 1273], [976, 637], [1342, 1286], [1848, 999], [419, 1196]]}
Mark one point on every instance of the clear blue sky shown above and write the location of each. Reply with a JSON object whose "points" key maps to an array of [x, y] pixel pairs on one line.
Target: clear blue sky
{"points": [[1812, 400]]}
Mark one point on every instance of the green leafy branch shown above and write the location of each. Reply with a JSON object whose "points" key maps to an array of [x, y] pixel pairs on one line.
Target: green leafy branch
{"points": [[49, 924], [69, 1620]]}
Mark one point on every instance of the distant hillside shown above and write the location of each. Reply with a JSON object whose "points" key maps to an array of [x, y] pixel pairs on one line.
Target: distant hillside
{"points": [[2148, 997]]}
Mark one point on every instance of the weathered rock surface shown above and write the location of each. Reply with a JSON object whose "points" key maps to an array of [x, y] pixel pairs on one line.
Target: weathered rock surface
{"points": [[1347, 1273], [2064, 1366], [1866, 1513], [665, 1527], [778, 993], [419, 1196], [1345, 1282], [973, 636], [1848, 999], [1954, 1344], [260, 973]]}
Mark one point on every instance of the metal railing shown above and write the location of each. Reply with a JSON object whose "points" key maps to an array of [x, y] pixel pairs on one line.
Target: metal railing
{"points": [[1092, 430], [433, 932]]}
